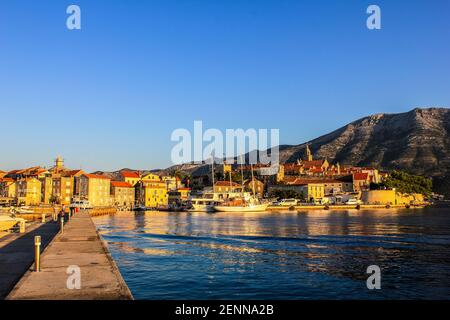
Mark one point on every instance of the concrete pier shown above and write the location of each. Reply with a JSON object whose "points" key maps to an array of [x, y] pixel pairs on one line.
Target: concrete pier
{"points": [[80, 246]]}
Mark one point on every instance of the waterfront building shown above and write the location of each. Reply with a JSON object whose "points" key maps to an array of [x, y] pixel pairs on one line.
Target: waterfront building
{"points": [[172, 183], [46, 189], [361, 181], [331, 186], [227, 186], [96, 189], [7, 188], [65, 185], [184, 193], [122, 194], [131, 177], [151, 177], [309, 190], [62, 190], [390, 197], [33, 172], [151, 193], [28, 191], [178, 196], [257, 184], [347, 183]]}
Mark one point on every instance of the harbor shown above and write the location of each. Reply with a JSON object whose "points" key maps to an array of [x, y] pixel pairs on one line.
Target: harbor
{"points": [[312, 254], [77, 245]]}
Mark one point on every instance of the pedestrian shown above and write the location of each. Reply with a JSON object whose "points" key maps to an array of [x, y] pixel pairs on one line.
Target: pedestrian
{"points": [[63, 211], [55, 213]]}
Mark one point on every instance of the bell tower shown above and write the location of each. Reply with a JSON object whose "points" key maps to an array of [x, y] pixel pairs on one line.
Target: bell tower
{"points": [[59, 163], [308, 156]]}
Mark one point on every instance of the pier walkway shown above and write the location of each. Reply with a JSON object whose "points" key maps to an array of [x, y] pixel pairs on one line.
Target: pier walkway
{"points": [[80, 246]]}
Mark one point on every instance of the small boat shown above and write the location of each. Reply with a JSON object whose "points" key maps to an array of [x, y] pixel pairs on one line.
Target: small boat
{"points": [[244, 207], [171, 208], [7, 222], [23, 210], [244, 202], [203, 204], [141, 208]]}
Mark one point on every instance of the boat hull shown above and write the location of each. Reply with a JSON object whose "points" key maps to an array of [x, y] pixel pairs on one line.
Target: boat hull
{"points": [[250, 208], [201, 208], [7, 223]]}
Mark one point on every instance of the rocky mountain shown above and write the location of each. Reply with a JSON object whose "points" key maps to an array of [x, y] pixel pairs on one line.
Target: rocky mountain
{"points": [[417, 141]]}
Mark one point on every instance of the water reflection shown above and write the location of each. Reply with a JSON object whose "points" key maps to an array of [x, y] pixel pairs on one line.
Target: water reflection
{"points": [[281, 255]]}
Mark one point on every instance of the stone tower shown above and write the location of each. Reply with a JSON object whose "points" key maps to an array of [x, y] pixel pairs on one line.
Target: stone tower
{"points": [[59, 163], [308, 156]]}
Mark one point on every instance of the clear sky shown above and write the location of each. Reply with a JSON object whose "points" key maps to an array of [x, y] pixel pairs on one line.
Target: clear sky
{"points": [[109, 95]]}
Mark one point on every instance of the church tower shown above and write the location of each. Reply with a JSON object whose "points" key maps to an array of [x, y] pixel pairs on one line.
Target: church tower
{"points": [[308, 156], [59, 163]]}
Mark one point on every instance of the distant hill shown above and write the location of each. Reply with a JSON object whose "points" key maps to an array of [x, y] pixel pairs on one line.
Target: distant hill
{"points": [[417, 141]]}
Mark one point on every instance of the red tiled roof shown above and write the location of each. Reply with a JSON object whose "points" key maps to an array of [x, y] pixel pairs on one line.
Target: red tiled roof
{"points": [[96, 176], [226, 184], [184, 189], [121, 184], [300, 181], [360, 176], [71, 173], [313, 163], [130, 174], [6, 180]]}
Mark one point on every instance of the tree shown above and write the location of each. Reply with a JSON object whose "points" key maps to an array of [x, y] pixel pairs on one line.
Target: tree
{"points": [[405, 183], [285, 194]]}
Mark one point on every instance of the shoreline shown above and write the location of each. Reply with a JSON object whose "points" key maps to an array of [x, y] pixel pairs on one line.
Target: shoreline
{"points": [[346, 207]]}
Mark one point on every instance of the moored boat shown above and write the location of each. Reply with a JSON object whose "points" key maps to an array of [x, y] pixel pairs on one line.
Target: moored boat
{"points": [[7, 222], [203, 204], [242, 208]]}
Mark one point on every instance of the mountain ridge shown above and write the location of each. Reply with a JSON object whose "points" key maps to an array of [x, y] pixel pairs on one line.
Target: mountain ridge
{"points": [[417, 141]]}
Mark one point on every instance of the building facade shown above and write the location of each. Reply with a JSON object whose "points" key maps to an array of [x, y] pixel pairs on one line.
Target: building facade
{"points": [[122, 194], [28, 191], [96, 189], [151, 194]]}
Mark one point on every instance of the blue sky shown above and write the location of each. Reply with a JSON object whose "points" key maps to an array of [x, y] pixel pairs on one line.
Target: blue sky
{"points": [[109, 96]]}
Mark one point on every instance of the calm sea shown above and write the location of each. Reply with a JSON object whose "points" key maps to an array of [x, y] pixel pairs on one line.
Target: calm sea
{"points": [[286, 255]]}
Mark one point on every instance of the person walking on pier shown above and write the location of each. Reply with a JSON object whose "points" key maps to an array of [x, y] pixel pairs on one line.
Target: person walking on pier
{"points": [[63, 212], [55, 213]]}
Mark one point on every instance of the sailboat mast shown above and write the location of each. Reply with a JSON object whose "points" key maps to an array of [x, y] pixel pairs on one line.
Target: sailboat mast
{"points": [[253, 180], [242, 176], [212, 170]]}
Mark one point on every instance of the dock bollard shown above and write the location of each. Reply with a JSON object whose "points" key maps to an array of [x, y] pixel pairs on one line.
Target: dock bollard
{"points": [[62, 224], [37, 253], [22, 226], [43, 218]]}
